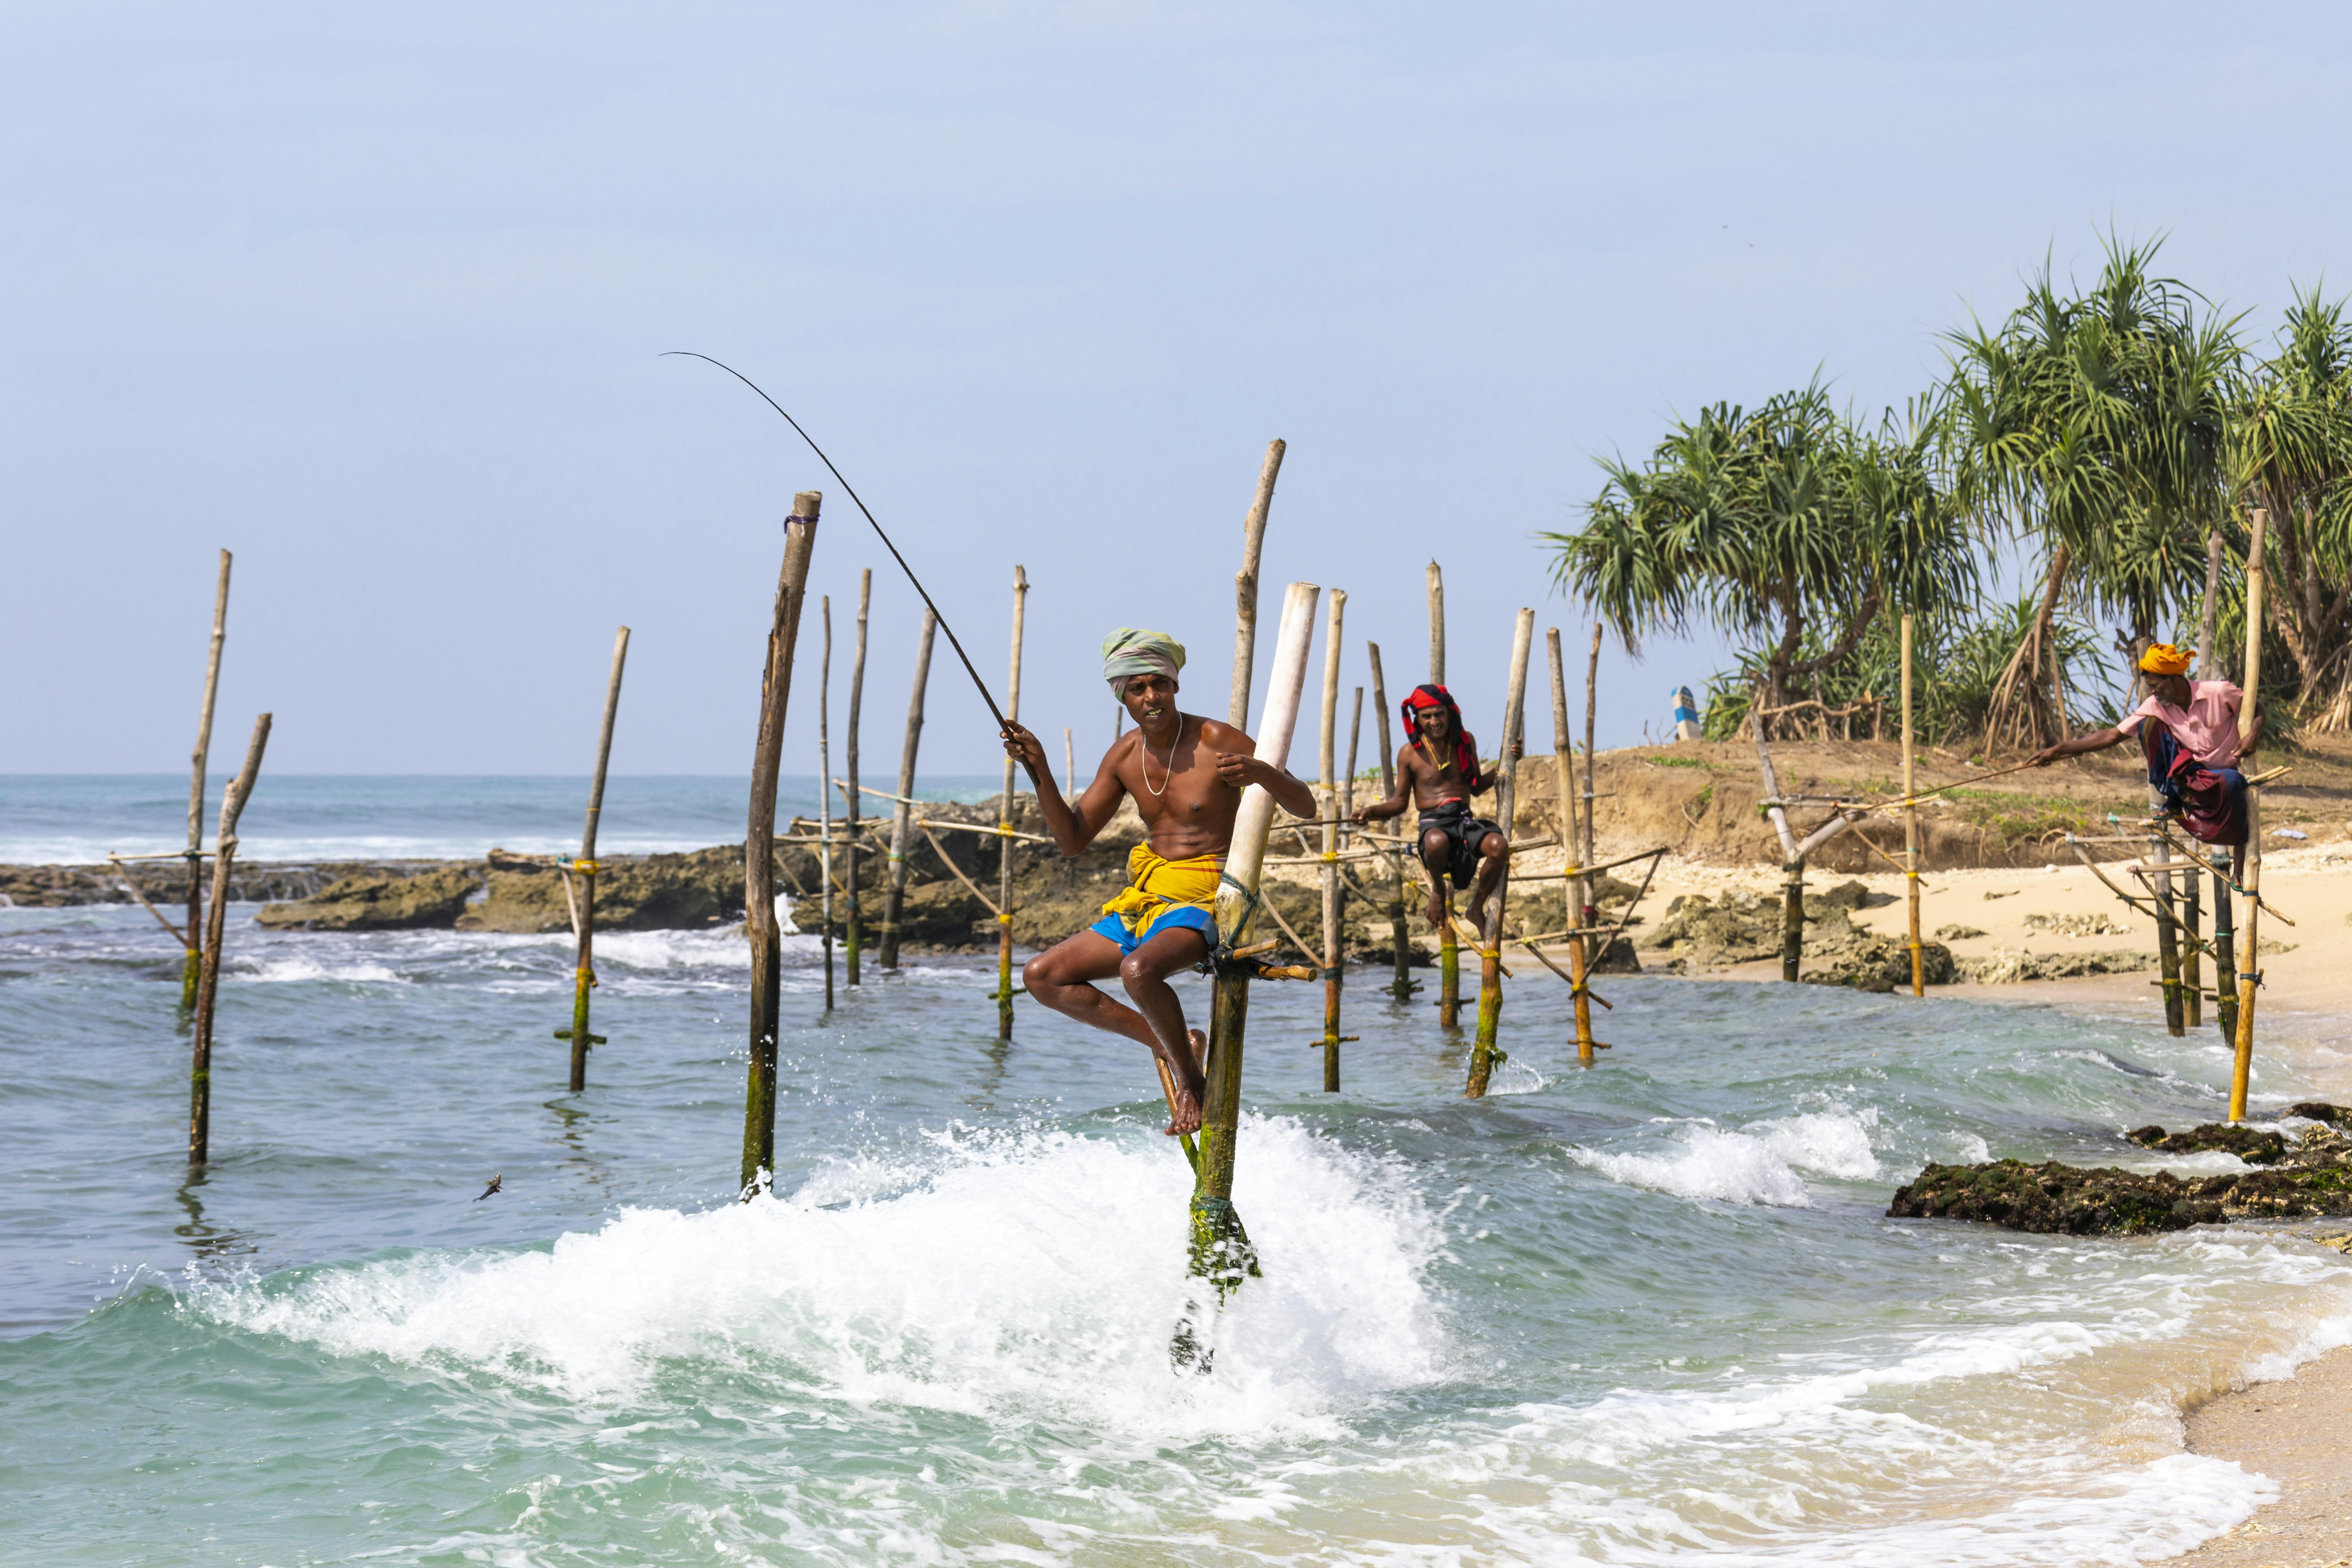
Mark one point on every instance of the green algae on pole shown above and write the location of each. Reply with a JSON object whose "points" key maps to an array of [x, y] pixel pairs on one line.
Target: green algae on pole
{"points": [[825, 792], [1004, 825], [759, 923], [1221, 1254], [852, 935], [199, 1067], [583, 968], [191, 966], [1485, 1053], [1327, 803], [1401, 986], [902, 819]]}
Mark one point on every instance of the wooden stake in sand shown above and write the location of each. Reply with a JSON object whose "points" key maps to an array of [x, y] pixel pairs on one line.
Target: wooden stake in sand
{"points": [[1245, 588], [1401, 987], [1573, 898], [852, 936], [583, 968], [1793, 855], [760, 923], [1221, 1253], [825, 792], [1449, 951], [2192, 973], [2168, 938], [902, 819], [1911, 822], [2225, 951], [1335, 611], [2250, 969], [1486, 1054], [1004, 826], [191, 966], [200, 1069]]}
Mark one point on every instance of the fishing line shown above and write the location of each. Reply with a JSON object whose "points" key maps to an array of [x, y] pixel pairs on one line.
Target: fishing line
{"points": [[1001, 723]]}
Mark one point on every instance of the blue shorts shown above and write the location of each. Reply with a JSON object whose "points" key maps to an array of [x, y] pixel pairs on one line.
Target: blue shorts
{"points": [[1186, 919]]}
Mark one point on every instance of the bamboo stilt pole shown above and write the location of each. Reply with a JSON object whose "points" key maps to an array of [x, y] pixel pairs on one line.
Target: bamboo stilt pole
{"points": [[2250, 967], [824, 794], [2225, 955], [1221, 1252], [759, 923], [1485, 1053], [902, 818], [199, 1067], [2168, 940], [1588, 913], [1004, 821], [191, 966], [1401, 986], [1449, 948], [1069, 766], [1335, 609], [1911, 822], [1564, 780], [2192, 972], [1792, 891], [1245, 588], [853, 936], [583, 968]]}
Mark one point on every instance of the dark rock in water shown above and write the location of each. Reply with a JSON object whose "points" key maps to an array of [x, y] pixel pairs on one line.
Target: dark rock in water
{"points": [[2320, 1110], [380, 902], [1882, 964], [1699, 932], [2255, 1148], [634, 892], [2068, 1200]]}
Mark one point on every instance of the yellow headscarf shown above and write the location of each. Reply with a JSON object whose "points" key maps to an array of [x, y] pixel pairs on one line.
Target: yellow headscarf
{"points": [[2163, 658]]}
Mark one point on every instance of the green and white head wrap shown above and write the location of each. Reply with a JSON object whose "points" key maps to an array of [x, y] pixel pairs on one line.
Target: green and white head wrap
{"points": [[1132, 651]]}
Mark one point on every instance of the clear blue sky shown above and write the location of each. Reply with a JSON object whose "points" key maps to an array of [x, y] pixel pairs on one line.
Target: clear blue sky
{"points": [[372, 295]]}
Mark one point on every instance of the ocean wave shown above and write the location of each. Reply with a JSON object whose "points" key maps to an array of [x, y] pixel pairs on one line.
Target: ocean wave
{"points": [[1732, 1167], [1038, 1272]]}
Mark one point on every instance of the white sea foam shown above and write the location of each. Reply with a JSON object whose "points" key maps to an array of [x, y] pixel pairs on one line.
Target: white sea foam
{"points": [[1031, 1274], [1832, 1143], [278, 969], [1709, 1163]]}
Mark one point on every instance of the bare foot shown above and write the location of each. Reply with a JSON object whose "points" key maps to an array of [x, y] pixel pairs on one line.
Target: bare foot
{"points": [[1185, 1107], [1188, 1115], [1435, 913]]}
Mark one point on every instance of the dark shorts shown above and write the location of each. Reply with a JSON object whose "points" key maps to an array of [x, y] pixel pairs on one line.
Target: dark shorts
{"points": [[1463, 834]]}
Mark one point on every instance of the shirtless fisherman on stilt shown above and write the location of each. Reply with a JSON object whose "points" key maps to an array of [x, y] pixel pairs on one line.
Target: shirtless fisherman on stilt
{"points": [[1186, 775], [1438, 772]]}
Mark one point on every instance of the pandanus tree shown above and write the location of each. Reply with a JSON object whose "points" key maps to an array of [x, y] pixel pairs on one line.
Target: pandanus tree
{"points": [[1784, 526], [2291, 453], [2093, 427]]}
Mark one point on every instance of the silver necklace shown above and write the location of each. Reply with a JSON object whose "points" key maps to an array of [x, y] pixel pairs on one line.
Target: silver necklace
{"points": [[1168, 767]]}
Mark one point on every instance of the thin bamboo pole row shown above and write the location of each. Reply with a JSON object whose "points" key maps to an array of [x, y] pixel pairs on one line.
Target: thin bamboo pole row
{"points": [[902, 817], [1005, 823], [853, 934], [584, 967], [1486, 1052], [191, 966], [1335, 613], [200, 1066], [2250, 970], [760, 923], [1401, 986]]}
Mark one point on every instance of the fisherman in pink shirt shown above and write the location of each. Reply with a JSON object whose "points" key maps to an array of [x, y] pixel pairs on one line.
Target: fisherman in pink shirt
{"points": [[2188, 731]]}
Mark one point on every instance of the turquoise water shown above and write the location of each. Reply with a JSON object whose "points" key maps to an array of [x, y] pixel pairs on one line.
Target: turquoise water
{"points": [[1635, 1314]]}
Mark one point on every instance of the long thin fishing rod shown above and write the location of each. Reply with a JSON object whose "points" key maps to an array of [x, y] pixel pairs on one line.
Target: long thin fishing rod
{"points": [[998, 712], [1932, 793]]}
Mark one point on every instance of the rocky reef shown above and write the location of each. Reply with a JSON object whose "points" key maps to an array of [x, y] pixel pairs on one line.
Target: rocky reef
{"points": [[2306, 1177], [1700, 933]]}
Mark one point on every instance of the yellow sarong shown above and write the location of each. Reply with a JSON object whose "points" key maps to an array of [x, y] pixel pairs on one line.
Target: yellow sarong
{"points": [[1158, 887]]}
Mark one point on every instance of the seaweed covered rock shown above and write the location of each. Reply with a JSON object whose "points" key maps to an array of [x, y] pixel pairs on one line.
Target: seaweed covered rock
{"points": [[2054, 1198], [1881, 964], [2320, 1110], [379, 901], [636, 892], [2006, 965], [2255, 1148]]}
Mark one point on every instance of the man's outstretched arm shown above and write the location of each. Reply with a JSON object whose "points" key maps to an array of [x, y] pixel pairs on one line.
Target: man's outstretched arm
{"points": [[1073, 826], [2098, 740], [1382, 810]]}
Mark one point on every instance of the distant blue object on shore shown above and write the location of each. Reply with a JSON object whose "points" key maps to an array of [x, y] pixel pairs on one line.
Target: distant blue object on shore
{"points": [[1686, 715]]}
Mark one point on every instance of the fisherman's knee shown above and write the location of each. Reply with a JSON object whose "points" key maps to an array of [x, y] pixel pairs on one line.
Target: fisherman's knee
{"points": [[1041, 974], [1493, 847], [1136, 969], [1433, 842]]}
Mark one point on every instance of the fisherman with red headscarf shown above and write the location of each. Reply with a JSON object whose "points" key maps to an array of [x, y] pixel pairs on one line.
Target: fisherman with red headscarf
{"points": [[1438, 772]]}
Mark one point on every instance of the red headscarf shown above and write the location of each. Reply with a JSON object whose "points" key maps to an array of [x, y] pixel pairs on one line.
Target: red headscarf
{"points": [[1465, 751]]}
